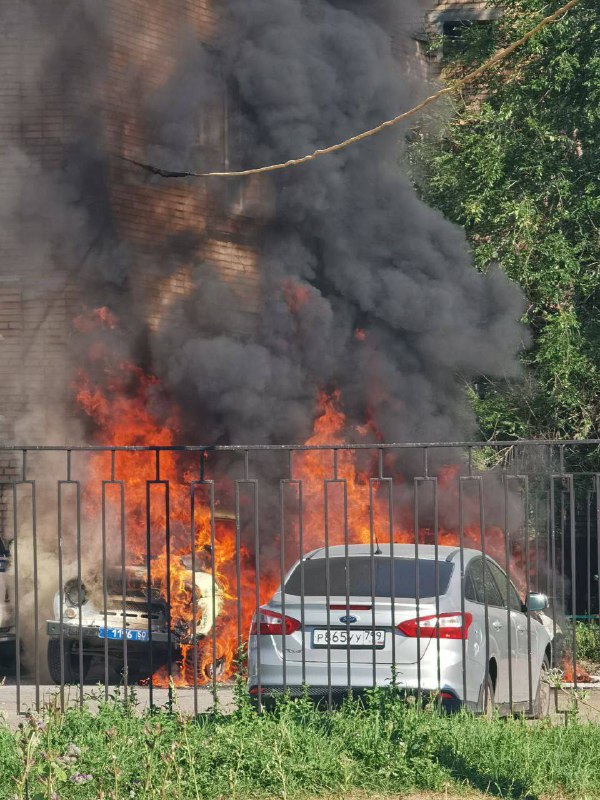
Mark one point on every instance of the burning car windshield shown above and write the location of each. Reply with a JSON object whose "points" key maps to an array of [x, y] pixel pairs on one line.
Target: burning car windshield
{"points": [[366, 582]]}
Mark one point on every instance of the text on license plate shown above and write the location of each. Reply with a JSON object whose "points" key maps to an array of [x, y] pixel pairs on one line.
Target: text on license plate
{"points": [[339, 638], [118, 633]]}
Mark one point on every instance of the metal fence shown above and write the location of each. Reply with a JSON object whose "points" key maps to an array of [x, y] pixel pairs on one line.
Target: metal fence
{"points": [[163, 567]]}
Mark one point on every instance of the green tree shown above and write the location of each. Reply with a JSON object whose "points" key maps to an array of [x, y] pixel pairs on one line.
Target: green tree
{"points": [[518, 166]]}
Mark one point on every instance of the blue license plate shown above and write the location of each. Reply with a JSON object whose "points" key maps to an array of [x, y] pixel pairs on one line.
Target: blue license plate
{"points": [[119, 633]]}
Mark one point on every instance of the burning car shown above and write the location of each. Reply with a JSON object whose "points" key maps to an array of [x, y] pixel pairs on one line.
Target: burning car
{"points": [[118, 617]]}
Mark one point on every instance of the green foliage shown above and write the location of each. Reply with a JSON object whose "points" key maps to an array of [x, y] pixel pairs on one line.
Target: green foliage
{"points": [[587, 637], [379, 746], [518, 167]]}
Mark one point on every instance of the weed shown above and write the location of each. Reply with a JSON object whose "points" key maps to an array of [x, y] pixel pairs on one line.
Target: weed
{"points": [[377, 745]]}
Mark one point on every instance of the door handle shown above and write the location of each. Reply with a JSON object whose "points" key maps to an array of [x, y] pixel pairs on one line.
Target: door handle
{"points": [[497, 625], [521, 629]]}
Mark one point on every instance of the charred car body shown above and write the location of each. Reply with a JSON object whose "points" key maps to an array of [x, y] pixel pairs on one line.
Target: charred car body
{"points": [[123, 624]]}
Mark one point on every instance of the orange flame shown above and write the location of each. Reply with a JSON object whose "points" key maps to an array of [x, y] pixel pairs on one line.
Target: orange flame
{"points": [[121, 411], [339, 498]]}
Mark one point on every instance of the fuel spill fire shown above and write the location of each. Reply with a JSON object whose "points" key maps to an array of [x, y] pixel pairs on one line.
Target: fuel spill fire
{"points": [[330, 494]]}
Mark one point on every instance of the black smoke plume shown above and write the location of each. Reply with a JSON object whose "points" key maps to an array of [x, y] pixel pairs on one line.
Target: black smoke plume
{"points": [[392, 312]]}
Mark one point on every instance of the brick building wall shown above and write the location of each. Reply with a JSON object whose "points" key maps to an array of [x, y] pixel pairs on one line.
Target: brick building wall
{"points": [[148, 213], [37, 303]]}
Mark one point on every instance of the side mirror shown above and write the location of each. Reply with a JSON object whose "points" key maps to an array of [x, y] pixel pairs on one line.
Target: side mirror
{"points": [[537, 602]]}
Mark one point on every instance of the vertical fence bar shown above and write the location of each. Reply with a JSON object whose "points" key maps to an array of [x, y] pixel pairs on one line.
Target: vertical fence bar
{"points": [[282, 579], [121, 485], [327, 483], [328, 584], [461, 544], [553, 593], [123, 543], [32, 485], [507, 545], [157, 481], [549, 538], [193, 546], [36, 592], [572, 522], [522, 482], [588, 542], [485, 597], [81, 671], [253, 484], [373, 541], [563, 521], [536, 534], [104, 588], [61, 605], [597, 492], [194, 486], [416, 519], [213, 575], [15, 549], [24, 481], [297, 483], [238, 571], [436, 570], [302, 590], [417, 482], [380, 481], [347, 591], [528, 590]]}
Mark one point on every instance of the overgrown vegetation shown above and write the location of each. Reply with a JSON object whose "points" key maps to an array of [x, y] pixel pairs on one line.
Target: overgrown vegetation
{"points": [[587, 635], [517, 166], [381, 746]]}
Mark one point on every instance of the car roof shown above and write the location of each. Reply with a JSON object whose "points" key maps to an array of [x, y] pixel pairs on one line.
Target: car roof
{"points": [[426, 551]]}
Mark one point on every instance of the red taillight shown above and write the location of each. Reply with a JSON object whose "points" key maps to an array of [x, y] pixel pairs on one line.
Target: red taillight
{"points": [[339, 607], [447, 626], [270, 623]]}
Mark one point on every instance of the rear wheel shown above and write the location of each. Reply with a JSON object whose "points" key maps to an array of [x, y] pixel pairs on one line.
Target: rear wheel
{"points": [[206, 671], [70, 662], [543, 696]]}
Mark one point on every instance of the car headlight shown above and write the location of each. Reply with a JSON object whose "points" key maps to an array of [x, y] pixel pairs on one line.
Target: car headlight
{"points": [[75, 592]]}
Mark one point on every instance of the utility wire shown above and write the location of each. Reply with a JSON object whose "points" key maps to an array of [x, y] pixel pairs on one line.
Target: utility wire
{"points": [[456, 85]]}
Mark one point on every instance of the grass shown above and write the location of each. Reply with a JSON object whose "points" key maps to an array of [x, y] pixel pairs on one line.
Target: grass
{"points": [[378, 747]]}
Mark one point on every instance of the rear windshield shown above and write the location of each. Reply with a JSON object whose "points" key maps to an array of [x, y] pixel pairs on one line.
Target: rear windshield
{"points": [[364, 583]]}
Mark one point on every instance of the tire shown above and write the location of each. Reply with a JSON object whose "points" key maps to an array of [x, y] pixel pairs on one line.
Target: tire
{"points": [[487, 709], [205, 674], [543, 696], [70, 662]]}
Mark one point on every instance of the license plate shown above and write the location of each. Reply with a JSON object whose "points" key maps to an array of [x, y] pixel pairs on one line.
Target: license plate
{"points": [[119, 633], [339, 638]]}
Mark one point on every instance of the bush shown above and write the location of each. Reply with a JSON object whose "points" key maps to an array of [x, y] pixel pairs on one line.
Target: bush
{"points": [[587, 636]]}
